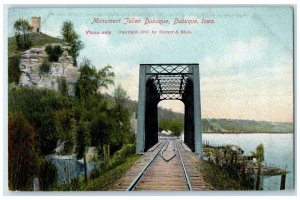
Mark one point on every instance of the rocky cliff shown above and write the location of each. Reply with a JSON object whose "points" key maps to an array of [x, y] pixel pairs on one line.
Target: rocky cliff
{"points": [[31, 75]]}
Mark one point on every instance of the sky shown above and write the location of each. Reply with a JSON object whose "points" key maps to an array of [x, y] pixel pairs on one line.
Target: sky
{"points": [[245, 56]]}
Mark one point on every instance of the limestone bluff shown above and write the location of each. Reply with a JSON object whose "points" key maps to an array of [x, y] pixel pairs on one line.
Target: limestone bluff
{"points": [[31, 76]]}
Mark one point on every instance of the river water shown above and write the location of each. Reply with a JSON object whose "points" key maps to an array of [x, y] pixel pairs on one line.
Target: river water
{"points": [[68, 167], [279, 151]]}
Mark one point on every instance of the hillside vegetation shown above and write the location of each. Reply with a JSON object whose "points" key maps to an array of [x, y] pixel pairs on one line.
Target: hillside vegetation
{"points": [[245, 126], [38, 40]]}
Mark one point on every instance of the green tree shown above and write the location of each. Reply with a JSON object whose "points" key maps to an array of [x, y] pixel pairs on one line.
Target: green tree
{"points": [[91, 80], [47, 173], [106, 77], [88, 80], [259, 154], [174, 125], [38, 107], [22, 152], [72, 38], [64, 128], [13, 69], [67, 31], [122, 113], [22, 28]]}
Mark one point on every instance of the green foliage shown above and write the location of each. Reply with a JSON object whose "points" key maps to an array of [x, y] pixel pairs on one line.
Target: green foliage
{"points": [[122, 114], [91, 80], [45, 67], [105, 77], [37, 39], [22, 28], [22, 152], [99, 122], [88, 80], [126, 150], [92, 120], [38, 107], [82, 138], [120, 156], [68, 32], [107, 179], [65, 128], [72, 38], [95, 173], [76, 46], [47, 174], [259, 154], [217, 177], [53, 52], [13, 69], [174, 125], [63, 86]]}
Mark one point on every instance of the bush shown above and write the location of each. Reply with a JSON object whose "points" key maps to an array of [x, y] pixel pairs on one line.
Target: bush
{"points": [[13, 69], [122, 154], [47, 174], [38, 107], [126, 150], [95, 173], [21, 153], [53, 52], [45, 67]]}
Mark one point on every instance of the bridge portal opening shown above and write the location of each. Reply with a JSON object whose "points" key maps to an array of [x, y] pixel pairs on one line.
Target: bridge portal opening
{"points": [[158, 82], [170, 117]]}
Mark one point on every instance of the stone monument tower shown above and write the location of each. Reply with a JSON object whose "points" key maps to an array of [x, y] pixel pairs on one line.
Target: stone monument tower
{"points": [[36, 24]]}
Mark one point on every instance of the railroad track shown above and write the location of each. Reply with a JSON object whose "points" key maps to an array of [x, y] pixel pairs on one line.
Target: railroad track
{"points": [[165, 170]]}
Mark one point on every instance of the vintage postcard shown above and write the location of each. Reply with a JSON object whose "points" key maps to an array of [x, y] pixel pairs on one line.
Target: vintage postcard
{"points": [[171, 98]]}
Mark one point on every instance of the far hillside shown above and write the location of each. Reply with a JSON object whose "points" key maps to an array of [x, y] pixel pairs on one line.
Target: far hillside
{"points": [[225, 125], [244, 126]]}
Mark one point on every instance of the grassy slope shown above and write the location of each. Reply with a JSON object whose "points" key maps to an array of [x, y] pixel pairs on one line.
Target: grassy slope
{"points": [[108, 179], [214, 175], [217, 177], [38, 40]]}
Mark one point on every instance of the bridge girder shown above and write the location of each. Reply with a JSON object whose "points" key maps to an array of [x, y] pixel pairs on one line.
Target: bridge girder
{"points": [[168, 82]]}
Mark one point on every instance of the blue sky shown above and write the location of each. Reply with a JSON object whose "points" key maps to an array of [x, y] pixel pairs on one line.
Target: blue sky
{"points": [[245, 57]]}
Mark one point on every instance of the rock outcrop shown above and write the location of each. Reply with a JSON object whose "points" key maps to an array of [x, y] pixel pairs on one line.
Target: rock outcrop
{"points": [[31, 75]]}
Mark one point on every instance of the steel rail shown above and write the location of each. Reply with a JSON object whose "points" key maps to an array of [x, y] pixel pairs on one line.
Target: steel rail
{"points": [[141, 174], [184, 170], [155, 147], [165, 149], [174, 150]]}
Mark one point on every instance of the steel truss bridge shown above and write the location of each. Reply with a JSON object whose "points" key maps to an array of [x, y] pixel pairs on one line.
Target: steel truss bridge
{"points": [[159, 82]]}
